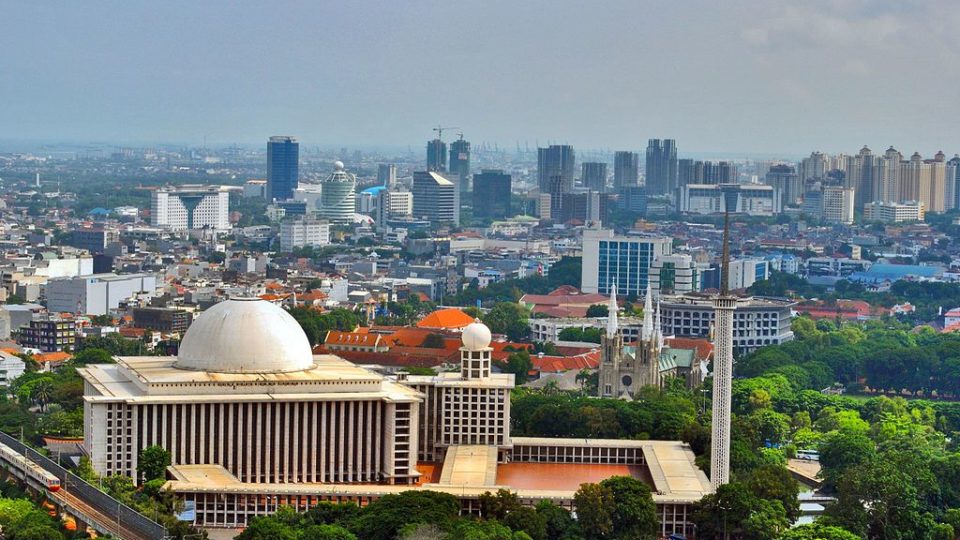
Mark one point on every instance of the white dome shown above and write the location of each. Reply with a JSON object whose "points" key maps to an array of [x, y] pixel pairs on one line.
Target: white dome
{"points": [[245, 335], [476, 336]]}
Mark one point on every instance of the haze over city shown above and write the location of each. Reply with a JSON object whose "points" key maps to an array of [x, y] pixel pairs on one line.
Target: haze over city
{"points": [[741, 78]]}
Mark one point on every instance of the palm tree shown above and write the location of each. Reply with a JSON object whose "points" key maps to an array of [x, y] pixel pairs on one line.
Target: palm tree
{"points": [[42, 393]]}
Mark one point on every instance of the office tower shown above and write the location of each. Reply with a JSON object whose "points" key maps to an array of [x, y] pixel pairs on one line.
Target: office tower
{"points": [[587, 207], [952, 191], [491, 194], [813, 167], [623, 260], [593, 176], [337, 202], [190, 207], [387, 174], [786, 183], [661, 166], [723, 172], [724, 306], [887, 187], [686, 172], [626, 169], [392, 204], [283, 167], [862, 176], [460, 163], [555, 171], [837, 204], [674, 274], [437, 156], [435, 198]]}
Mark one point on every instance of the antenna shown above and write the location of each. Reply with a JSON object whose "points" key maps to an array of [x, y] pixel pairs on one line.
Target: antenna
{"points": [[725, 258]]}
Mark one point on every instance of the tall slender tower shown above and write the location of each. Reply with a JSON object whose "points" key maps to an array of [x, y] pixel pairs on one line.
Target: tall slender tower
{"points": [[724, 305]]}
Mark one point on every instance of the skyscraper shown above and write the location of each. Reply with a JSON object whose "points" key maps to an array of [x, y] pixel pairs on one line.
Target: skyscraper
{"points": [[437, 156], [460, 164], [555, 169], [387, 174], [661, 166], [952, 192], [593, 176], [786, 183], [283, 167], [491, 194], [626, 169], [724, 305], [863, 176], [337, 201], [435, 198]]}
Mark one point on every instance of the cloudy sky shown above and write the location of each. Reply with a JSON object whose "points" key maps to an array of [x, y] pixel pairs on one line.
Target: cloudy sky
{"points": [[765, 76]]}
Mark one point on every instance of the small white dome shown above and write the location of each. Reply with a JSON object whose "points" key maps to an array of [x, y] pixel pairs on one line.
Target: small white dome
{"points": [[338, 165], [245, 335], [476, 336]]}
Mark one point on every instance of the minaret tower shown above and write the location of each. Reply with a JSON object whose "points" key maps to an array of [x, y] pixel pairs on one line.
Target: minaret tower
{"points": [[724, 305]]}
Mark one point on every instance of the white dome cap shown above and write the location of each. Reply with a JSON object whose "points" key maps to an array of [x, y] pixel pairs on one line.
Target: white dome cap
{"points": [[476, 336], [245, 335]]}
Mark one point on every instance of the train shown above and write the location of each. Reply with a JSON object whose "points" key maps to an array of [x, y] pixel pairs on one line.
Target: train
{"points": [[32, 469]]}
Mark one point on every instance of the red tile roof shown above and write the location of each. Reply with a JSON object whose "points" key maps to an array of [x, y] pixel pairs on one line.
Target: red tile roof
{"points": [[559, 364], [446, 318]]}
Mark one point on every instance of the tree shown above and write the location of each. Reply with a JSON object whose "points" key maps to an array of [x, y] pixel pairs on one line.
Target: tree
{"points": [[93, 356], [508, 318], [326, 532], [593, 503], [598, 310], [383, 518], [817, 531], [518, 363], [559, 524], [634, 514], [267, 528], [774, 482], [152, 462], [725, 511], [43, 532], [42, 392], [841, 451]]}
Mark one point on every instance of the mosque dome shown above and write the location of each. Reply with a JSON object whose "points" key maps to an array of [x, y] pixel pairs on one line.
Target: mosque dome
{"points": [[245, 335], [476, 336]]}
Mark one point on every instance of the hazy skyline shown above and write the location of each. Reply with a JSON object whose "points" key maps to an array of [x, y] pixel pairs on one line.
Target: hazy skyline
{"points": [[741, 76]]}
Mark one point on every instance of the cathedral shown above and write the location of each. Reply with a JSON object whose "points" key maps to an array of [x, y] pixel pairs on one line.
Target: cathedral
{"points": [[626, 368]]}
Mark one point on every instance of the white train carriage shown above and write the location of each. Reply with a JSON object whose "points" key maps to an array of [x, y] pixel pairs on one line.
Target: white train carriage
{"points": [[31, 469]]}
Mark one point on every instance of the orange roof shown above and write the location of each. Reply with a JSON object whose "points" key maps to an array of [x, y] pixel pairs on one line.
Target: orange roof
{"points": [[446, 318], [52, 357], [274, 286], [558, 364], [359, 339]]}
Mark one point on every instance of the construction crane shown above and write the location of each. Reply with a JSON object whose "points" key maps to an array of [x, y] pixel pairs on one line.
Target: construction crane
{"points": [[439, 129]]}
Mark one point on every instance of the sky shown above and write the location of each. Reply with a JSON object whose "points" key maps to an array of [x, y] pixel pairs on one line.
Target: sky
{"points": [[765, 76]]}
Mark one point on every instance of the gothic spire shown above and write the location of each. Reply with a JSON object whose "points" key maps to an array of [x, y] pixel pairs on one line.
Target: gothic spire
{"points": [[647, 330], [612, 323]]}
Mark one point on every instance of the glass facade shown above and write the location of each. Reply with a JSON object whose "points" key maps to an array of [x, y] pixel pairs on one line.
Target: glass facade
{"points": [[283, 167], [625, 263]]}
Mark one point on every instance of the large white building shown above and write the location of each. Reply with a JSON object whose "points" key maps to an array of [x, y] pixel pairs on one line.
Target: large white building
{"points": [[758, 322], [623, 260], [302, 232], [745, 272], [392, 204], [191, 207], [97, 294], [254, 421], [889, 212]]}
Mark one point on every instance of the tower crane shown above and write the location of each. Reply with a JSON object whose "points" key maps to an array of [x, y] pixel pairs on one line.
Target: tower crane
{"points": [[439, 129]]}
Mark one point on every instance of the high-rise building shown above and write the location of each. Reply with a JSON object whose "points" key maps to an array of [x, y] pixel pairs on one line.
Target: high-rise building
{"points": [[491, 194], [387, 174], [392, 204], [337, 202], [190, 207], [626, 169], [283, 167], [786, 183], [952, 190], [887, 187], [686, 172], [437, 155], [750, 199], [661, 171], [814, 167], [587, 207], [837, 204], [863, 175], [435, 198], [622, 260], [674, 274], [888, 212], [555, 171], [460, 164], [593, 176]]}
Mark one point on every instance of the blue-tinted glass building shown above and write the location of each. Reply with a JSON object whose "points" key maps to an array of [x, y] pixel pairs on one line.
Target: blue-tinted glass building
{"points": [[283, 167]]}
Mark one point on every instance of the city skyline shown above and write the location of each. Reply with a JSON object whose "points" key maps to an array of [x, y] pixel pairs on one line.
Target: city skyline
{"points": [[100, 73]]}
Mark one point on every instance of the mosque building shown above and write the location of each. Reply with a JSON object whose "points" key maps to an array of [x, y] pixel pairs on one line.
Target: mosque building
{"points": [[254, 420]]}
